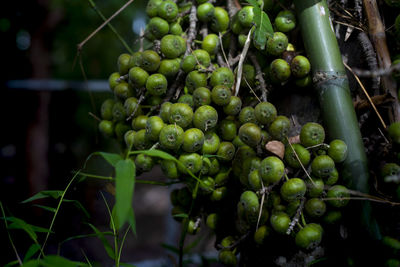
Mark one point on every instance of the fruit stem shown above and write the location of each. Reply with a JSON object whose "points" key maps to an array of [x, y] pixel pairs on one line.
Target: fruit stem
{"points": [[303, 220]]}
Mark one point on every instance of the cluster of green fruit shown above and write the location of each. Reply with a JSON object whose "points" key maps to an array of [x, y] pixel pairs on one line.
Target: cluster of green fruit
{"points": [[220, 137]]}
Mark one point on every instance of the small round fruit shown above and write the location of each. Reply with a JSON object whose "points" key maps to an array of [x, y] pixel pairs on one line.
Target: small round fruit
{"points": [[167, 10], [205, 118], [150, 60], [123, 90], [138, 77], [246, 16], [227, 130], [222, 76], [285, 21], [106, 109], [181, 114], [218, 194], [300, 66], [251, 206], [172, 46], [195, 79], [158, 27], [394, 132], [123, 63], [338, 195], [140, 140], [193, 140], [152, 7], [118, 111], [279, 70], [322, 166], [201, 96], [212, 220], [211, 43], [247, 114], [315, 188], [315, 207], [279, 128], [169, 67], [390, 172], [193, 228], [309, 236], [139, 122], [106, 128], [227, 258], [277, 44], [261, 234], [164, 111], [157, 84], [233, 107], [129, 137], [205, 12], [202, 57], [255, 180], [207, 185], [312, 134], [170, 169], [171, 137], [144, 163], [250, 134], [221, 95], [302, 158], [226, 151], [154, 126], [187, 99], [191, 162], [271, 169], [265, 113], [220, 20], [113, 80], [337, 150], [136, 59], [280, 222], [188, 64], [293, 189], [211, 143]]}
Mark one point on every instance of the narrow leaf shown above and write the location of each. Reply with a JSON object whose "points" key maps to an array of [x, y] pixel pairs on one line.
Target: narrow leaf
{"points": [[54, 260], [132, 220], [263, 28], [124, 186], [78, 205], [44, 194], [17, 223], [32, 263], [111, 158], [103, 240], [32, 250], [180, 215], [51, 209], [12, 263]]}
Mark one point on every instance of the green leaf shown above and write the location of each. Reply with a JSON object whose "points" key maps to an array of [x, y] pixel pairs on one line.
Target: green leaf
{"points": [[103, 240], [12, 263], [263, 28], [17, 223], [78, 205], [124, 185], [253, 3], [111, 158], [84, 236], [32, 250], [44, 194], [51, 209], [181, 215], [132, 220], [54, 260], [32, 263]]}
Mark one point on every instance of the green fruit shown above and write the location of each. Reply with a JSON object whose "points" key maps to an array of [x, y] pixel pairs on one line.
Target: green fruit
{"points": [[302, 158], [303, 82], [249, 74], [167, 10], [250, 134], [337, 150], [265, 138], [312, 134], [247, 114], [136, 59], [233, 107], [280, 222], [171, 137], [123, 90], [169, 67], [123, 63], [139, 122], [157, 27], [140, 140], [193, 140], [172, 46], [205, 12], [202, 57], [129, 137], [248, 165], [226, 151], [322, 166], [279, 128], [227, 258], [193, 228], [188, 63], [309, 236], [181, 114], [332, 178], [205, 118], [150, 61], [315, 207], [338, 195], [170, 169], [254, 180], [221, 95], [106, 109], [293, 189], [315, 188], [227, 130], [175, 28], [201, 96], [138, 77], [164, 111], [214, 169], [251, 206], [212, 220], [207, 185], [271, 170], [394, 132], [106, 128], [220, 20], [191, 162], [219, 194], [118, 112], [157, 84], [187, 99], [222, 176], [113, 80], [152, 7], [279, 70], [277, 44], [332, 216], [211, 43], [154, 126], [222, 76], [195, 79], [211, 143], [246, 16], [144, 163], [261, 234], [265, 113], [300, 66], [390, 172], [285, 21]]}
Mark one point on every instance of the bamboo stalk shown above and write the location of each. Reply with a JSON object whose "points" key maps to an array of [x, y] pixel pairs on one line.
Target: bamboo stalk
{"points": [[376, 31], [331, 84]]}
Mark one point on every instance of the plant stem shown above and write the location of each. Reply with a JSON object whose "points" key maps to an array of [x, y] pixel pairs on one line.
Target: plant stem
{"points": [[9, 236]]}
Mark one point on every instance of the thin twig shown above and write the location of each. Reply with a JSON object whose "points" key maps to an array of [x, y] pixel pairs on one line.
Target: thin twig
{"points": [[140, 100], [9, 236], [377, 72], [222, 49], [296, 217], [241, 61], [94, 116]]}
